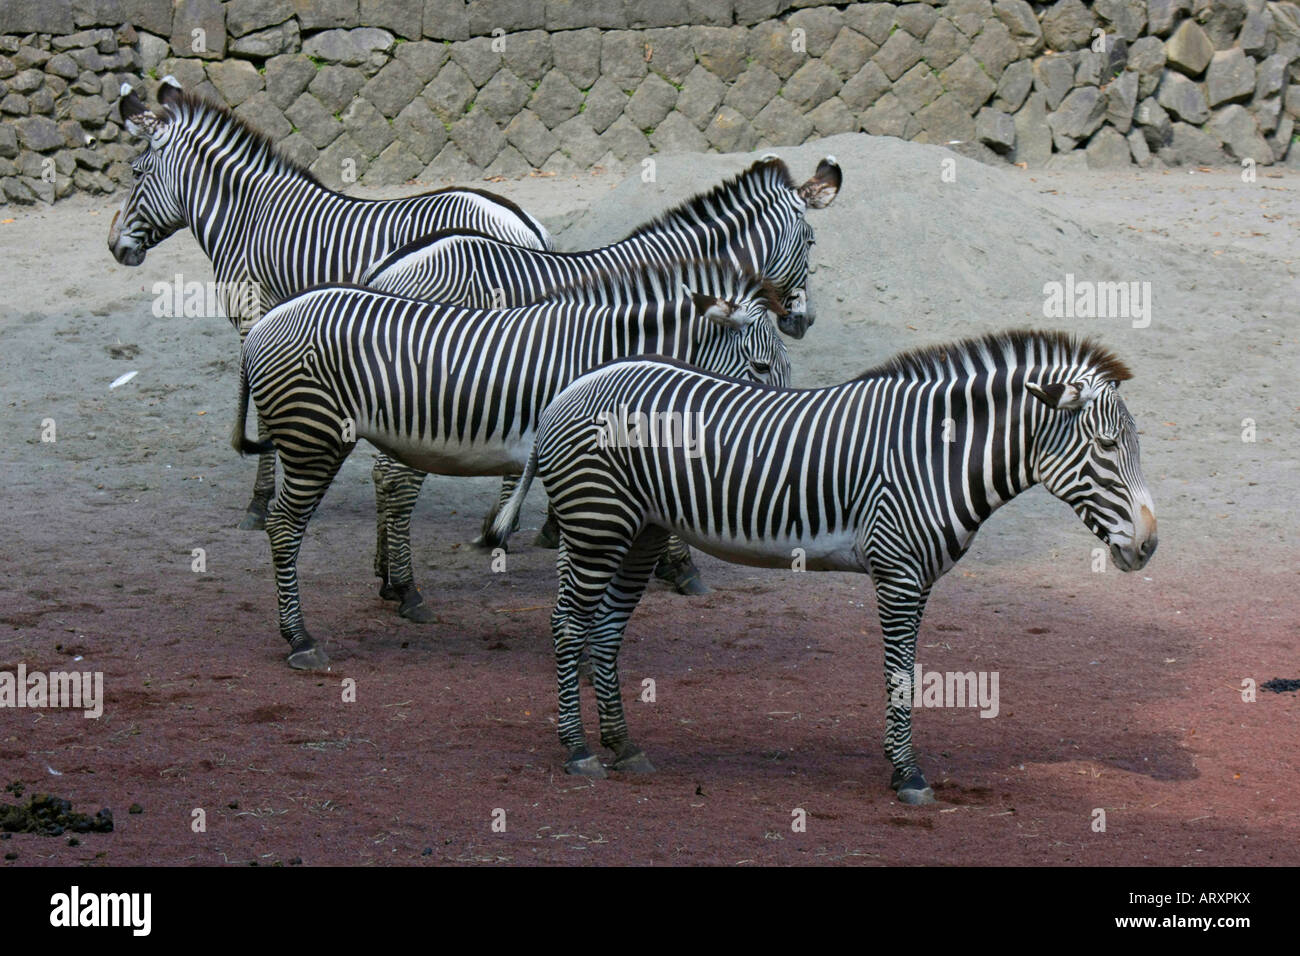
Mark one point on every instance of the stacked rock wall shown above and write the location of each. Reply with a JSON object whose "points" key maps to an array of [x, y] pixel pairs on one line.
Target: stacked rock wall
{"points": [[385, 91]]}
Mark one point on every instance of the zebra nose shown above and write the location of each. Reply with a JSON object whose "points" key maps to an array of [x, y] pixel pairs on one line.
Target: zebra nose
{"points": [[1147, 548]]}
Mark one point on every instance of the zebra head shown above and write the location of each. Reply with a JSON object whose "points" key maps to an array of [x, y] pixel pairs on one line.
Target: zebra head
{"points": [[792, 239], [1087, 456], [152, 210], [743, 342]]}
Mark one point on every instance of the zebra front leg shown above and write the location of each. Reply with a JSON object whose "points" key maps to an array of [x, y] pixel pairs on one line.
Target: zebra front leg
{"points": [[401, 490], [901, 605], [622, 595], [263, 485], [677, 567], [304, 486]]}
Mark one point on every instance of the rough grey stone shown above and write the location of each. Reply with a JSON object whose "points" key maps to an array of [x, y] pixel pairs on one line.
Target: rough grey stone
{"points": [[27, 81], [671, 56], [1121, 101], [622, 57], [946, 119], [235, 80], [529, 135], [1163, 14], [1266, 111], [509, 164], [17, 192], [359, 47], [8, 141], [771, 44], [477, 58], [206, 15], [336, 87], [781, 124], [576, 54], [874, 21], [1231, 76], [392, 88], [1190, 146], [1077, 118], [1127, 18], [624, 142], [450, 165], [579, 142], [918, 87], [298, 150], [395, 165], [1088, 67], [260, 113], [1255, 32], [730, 132], [700, 95], [282, 38], [1280, 141], [756, 88], [1182, 98], [995, 129], [1271, 75], [866, 88], [38, 133], [915, 18], [341, 163], [478, 137], [313, 121], [888, 117], [1016, 82], [152, 15], [812, 84], [1138, 148], [528, 55], [420, 129], [1018, 17], [62, 65], [87, 107], [1054, 78], [245, 16], [968, 83], [449, 92], [1072, 162], [969, 16], [503, 96], [423, 58], [326, 14], [1146, 57], [943, 44], [833, 117], [604, 104], [1068, 25], [1236, 129], [1108, 149], [555, 99], [1222, 19], [403, 17], [287, 76], [511, 16], [651, 103], [368, 127], [1155, 125], [1189, 50], [898, 54], [848, 52], [994, 49], [572, 14], [677, 134]]}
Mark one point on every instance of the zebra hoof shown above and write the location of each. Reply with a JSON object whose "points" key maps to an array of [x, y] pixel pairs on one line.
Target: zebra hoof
{"points": [[913, 790], [388, 592], [588, 766], [309, 658], [415, 610], [633, 760], [690, 584], [254, 518], [548, 537]]}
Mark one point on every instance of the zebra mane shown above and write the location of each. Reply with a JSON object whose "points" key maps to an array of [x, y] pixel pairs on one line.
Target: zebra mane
{"points": [[1029, 346], [656, 282], [765, 175]]}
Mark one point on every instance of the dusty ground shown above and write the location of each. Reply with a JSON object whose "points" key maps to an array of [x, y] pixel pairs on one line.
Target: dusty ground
{"points": [[1117, 692]]}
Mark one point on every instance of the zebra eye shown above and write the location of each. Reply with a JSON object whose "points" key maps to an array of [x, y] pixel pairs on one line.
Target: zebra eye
{"points": [[1105, 441], [762, 368]]}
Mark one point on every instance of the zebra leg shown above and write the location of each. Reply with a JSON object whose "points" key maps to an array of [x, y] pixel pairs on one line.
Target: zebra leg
{"points": [[901, 605], [379, 475], [584, 577], [301, 491], [548, 535], [677, 567], [263, 485], [622, 595], [402, 488], [508, 485]]}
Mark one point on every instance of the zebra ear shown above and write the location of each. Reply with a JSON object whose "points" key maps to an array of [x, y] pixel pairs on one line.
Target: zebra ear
{"points": [[135, 115], [1059, 395], [717, 310], [169, 91], [820, 191]]}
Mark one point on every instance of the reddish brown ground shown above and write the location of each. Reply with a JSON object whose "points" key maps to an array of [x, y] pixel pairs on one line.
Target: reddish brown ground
{"points": [[1116, 693]]}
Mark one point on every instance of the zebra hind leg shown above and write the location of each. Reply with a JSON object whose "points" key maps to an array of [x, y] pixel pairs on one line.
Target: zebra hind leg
{"points": [[901, 606], [304, 485], [263, 486], [622, 595], [401, 489], [379, 475], [677, 567]]}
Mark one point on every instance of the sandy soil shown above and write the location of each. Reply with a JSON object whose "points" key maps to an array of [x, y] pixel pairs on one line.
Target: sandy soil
{"points": [[1117, 692]]}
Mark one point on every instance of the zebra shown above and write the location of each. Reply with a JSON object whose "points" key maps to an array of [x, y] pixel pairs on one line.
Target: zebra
{"points": [[755, 219], [454, 390], [890, 474], [270, 228]]}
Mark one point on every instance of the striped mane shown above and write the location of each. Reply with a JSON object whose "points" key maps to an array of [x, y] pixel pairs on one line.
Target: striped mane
{"points": [[646, 283], [765, 176], [195, 111], [1031, 347]]}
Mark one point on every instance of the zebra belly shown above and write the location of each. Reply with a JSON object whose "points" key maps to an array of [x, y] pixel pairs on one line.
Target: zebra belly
{"points": [[451, 457], [824, 552]]}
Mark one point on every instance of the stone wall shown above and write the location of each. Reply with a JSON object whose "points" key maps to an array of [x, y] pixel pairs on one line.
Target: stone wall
{"points": [[386, 91]]}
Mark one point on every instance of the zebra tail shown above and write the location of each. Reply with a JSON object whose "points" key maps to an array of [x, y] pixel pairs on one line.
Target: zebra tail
{"points": [[238, 439], [497, 530]]}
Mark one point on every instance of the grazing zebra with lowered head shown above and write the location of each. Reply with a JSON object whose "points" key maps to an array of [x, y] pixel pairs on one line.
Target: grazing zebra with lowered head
{"points": [[458, 391], [755, 219], [890, 474], [270, 228]]}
